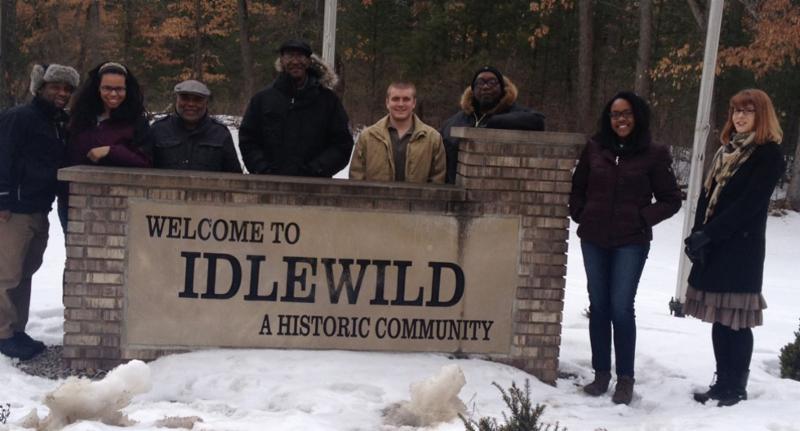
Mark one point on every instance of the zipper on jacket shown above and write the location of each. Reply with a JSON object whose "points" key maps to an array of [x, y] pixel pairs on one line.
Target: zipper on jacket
{"points": [[616, 160]]}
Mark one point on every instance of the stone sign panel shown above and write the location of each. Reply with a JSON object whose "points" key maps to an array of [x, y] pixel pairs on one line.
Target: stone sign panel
{"points": [[316, 277]]}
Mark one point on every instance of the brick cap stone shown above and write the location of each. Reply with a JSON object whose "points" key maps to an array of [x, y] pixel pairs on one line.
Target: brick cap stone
{"points": [[229, 182], [503, 136]]}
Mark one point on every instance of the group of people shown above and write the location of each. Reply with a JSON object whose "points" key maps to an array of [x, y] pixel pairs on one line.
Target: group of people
{"points": [[295, 126], [622, 186]]}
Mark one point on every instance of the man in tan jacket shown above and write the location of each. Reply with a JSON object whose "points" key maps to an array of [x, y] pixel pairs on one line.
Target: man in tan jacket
{"points": [[399, 147]]}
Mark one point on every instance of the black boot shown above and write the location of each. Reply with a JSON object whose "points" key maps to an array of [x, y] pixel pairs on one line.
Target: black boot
{"points": [[736, 392], [716, 390]]}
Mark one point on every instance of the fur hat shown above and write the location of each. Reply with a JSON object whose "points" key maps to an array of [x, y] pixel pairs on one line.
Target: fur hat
{"points": [[43, 73]]}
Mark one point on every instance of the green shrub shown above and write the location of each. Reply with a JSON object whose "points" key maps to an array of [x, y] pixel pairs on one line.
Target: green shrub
{"points": [[790, 359], [524, 416]]}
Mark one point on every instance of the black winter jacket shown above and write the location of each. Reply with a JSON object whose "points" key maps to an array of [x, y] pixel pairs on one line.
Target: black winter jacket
{"points": [[288, 131], [207, 147], [617, 199], [32, 145], [737, 228], [506, 115]]}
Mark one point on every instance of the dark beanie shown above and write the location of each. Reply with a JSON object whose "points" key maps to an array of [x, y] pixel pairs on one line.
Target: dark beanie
{"points": [[492, 70]]}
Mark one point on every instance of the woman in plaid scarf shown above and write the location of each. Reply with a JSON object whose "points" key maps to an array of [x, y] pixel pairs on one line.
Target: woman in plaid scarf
{"points": [[727, 243]]}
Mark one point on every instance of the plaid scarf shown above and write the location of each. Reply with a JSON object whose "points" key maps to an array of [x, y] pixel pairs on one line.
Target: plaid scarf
{"points": [[726, 162]]}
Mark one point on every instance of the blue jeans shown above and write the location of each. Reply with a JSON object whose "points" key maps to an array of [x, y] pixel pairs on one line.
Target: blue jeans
{"points": [[612, 276]]}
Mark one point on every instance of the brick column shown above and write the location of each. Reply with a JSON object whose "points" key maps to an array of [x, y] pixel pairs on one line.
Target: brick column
{"points": [[527, 174]]}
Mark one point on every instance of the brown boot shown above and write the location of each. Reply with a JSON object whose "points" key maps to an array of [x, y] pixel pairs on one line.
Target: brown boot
{"points": [[623, 393], [600, 384]]}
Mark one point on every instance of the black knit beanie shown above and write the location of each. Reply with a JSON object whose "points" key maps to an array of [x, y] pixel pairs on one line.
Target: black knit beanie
{"points": [[492, 70]]}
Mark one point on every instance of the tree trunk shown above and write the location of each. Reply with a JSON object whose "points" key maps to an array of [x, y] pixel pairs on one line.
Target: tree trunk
{"points": [[246, 50], [8, 51], [583, 101], [129, 19], [699, 17], [642, 84], [89, 37], [197, 64], [793, 192]]}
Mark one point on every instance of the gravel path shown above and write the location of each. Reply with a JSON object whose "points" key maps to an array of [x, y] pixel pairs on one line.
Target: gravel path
{"points": [[49, 365]]}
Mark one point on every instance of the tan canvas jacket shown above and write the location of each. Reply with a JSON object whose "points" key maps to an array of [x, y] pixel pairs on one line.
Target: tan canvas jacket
{"points": [[373, 159]]}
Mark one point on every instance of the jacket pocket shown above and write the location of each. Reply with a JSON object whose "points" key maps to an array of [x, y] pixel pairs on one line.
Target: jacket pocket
{"points": [[169, 153], [208, 154]]}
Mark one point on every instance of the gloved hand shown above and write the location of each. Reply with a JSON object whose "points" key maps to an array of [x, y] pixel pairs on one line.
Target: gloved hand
{"points": [[697, 247]]}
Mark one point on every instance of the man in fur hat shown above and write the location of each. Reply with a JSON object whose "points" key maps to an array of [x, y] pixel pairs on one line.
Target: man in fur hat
{"points": [[490, 101], [296, 125], [31, 151]]}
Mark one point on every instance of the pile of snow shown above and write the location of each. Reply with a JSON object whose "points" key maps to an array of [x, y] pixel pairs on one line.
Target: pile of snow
{"points": [[433, 400], [80, 399]]}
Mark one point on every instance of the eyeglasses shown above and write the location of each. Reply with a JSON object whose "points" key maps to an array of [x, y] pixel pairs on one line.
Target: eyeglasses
{"points": [[108, 89], [737, 111], [491, 82], [294, 55], [616, 115]]}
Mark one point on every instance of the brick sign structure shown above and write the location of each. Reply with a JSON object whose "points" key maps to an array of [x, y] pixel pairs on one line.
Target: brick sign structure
{"points": [[162, 261]]}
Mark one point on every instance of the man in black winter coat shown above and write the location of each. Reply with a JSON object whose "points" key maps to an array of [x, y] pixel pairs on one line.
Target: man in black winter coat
{"points": [[31, 151], [297, 125], [490, 101], [190, 139]]}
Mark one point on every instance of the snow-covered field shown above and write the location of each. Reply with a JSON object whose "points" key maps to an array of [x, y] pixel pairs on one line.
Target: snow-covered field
{"points": [[339, 390]]}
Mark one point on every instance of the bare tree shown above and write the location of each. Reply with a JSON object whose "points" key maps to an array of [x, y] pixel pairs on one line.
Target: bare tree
{"points": [[8, 51], [128, 17], [793, 193], [246, 50], [89, 50], [584, 91], [197, 62], [644, 54], [699, 16]]}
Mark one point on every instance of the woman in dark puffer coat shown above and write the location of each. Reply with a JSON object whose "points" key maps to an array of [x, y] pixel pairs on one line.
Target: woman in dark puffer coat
{"points": [[619, 174], [727, 245]]}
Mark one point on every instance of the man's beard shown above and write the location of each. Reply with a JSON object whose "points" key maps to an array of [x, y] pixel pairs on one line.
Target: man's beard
{"points": [[487, 104]]}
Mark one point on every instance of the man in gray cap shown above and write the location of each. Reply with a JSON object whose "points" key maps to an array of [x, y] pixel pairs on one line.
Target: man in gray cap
{"points": [[191, 139], [31, 151], [297, 125]]}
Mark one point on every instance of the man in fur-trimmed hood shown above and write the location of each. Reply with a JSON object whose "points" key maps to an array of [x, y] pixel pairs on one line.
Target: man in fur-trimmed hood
{"points": [[489, 101], [296, 125]]}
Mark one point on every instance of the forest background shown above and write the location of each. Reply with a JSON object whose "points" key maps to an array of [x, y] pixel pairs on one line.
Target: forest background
{"points": [[566, 56]]}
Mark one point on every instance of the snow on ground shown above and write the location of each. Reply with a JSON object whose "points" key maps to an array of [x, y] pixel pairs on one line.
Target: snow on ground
{"points": [[339, 390]]}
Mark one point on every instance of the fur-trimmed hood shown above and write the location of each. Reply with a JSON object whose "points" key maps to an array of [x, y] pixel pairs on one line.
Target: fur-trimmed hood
{"points": [[324, 73], [508, 99]]}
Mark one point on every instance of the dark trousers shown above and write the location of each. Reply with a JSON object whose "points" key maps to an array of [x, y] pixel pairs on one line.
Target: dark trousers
{"points": [[612, 276]]}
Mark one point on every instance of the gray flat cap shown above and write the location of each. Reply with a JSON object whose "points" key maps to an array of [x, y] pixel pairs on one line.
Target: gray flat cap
{"points": [[193, 87]]}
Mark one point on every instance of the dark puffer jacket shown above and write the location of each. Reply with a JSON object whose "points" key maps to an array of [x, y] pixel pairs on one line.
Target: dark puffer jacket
{"points": [[612, 195], [506, 115], [735, 261], [32, 149], [207, 147], [128, 144], [288, 131]]}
